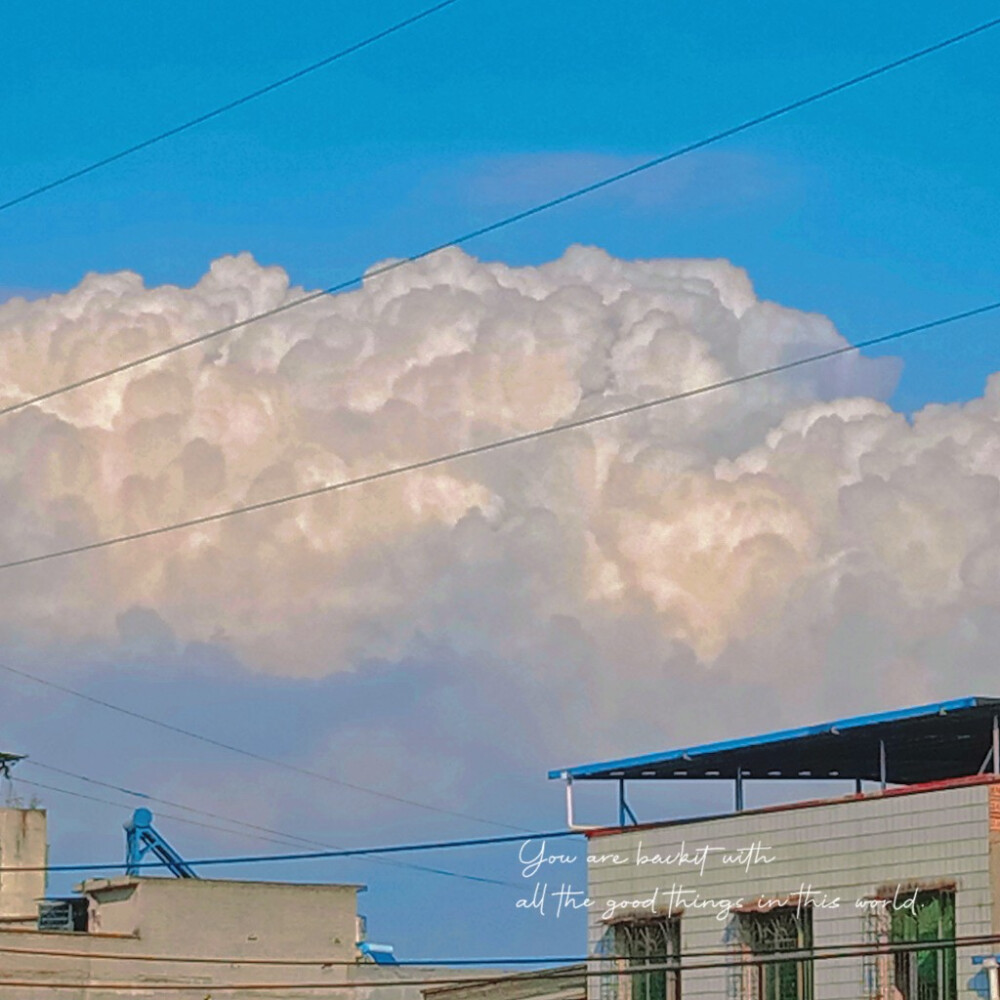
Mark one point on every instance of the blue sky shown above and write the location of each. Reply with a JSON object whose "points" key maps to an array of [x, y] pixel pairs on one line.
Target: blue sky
{"points": [[877, 208]]}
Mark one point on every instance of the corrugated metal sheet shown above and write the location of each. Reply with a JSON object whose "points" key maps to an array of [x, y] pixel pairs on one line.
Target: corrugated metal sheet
{"points": [[923, 743]]}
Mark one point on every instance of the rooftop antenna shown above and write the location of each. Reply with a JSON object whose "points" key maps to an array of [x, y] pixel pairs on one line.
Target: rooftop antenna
{"points": [[7, 761]]}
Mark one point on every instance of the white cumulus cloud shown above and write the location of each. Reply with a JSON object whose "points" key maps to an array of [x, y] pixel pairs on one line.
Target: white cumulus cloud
{"points": [[791, 529]]}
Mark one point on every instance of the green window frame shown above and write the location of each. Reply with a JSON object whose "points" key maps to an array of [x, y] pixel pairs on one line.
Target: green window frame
{"points": [[930, 974], [767, 933], [649, 942]]}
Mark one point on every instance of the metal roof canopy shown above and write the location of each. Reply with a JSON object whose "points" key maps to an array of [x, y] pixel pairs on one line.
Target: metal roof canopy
{"points": [[947, 739]]}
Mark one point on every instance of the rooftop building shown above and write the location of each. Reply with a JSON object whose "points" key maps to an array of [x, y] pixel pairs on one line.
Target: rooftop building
{"points": [[187, 932], [888, 891], [566, 982]]}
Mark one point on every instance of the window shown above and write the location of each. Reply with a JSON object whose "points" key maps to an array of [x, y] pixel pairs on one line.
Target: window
{"points": [[931, 974], [767, 933], [649, 942], [63, 914]]}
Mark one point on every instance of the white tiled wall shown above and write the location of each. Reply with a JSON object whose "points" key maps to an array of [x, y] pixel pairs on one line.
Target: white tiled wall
{"points": [[846, 848]]}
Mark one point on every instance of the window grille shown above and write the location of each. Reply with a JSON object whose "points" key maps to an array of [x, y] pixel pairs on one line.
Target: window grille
{"points": [[63, 914], [768, 933], [930, 974], [877, 962], [648, 942], [608, 965]]}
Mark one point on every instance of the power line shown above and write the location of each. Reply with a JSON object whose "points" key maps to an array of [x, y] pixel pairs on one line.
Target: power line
{"points": [[353, 852], [482, 449], [243, 987], [661, 959], [229, 106], [510, 220], [264, 833], [118, 805], [235, 960], [252, 755], [732, 960], [276, 836], [31, 761]]}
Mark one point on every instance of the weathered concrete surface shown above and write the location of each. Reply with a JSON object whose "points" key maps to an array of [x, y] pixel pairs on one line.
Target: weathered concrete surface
{"points": [[228, 931], [23, 845]]}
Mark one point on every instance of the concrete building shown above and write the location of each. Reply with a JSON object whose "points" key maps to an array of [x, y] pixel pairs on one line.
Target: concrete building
{"points": [[198, 933], [190, 934], [22, 845], [824, 898], [568, 982]]}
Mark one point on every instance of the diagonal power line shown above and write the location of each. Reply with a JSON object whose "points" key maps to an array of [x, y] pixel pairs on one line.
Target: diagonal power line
{"points": [[262, 832], [223, 108], [243, 752], [17, 783], [511, 220], [490, 446], [351, 852]]}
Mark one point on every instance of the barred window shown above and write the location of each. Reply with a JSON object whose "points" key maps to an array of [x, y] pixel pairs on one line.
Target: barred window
{"points": [[930, 974], [648, 942], [768, 933]]}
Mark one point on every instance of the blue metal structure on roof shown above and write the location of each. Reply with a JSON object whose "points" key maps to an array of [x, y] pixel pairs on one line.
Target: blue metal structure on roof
{"points": [[381, 954], [925, 743], [141, 837]]}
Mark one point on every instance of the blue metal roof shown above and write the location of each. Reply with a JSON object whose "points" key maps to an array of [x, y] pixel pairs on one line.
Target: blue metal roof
{"points": [[381, 954], [923, 743]]}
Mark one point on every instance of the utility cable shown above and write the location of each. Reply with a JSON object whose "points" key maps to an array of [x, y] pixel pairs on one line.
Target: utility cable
{"points": [[736, 960], [277, 837], [261, 832], [173, 818], [229, 106], [510, 220], [353, 852], [483, 449], [243, 752], [491, 964]]}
